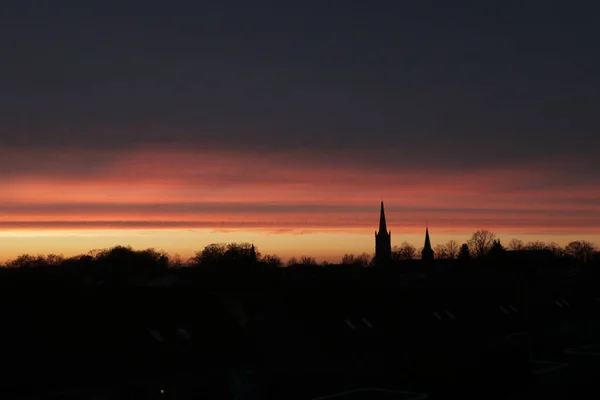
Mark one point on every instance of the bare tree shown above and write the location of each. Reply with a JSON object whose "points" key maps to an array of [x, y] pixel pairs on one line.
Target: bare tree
{"points": [[371, 260], [356, 259], [405, 251], [452, 248], [54, 259], [176, 261], [95, 252], [306, 260], [292, 261], [27, 261], [481, 242], [440, 252], [556, 249], [272, 260], [580, 250], [348, 259], [536, 245], [363, 259], [515, 245], [446, 251]]}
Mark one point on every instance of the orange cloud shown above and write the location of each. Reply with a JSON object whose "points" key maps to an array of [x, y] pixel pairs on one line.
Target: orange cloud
{"points": [[174, 188]]}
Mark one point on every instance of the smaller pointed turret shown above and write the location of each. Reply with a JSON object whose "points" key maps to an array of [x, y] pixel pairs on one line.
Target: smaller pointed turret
{"points": [[253, 253], [427, 252]]}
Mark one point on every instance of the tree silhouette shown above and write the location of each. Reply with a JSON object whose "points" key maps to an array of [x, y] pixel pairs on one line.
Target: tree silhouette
{"points": [[452, 248], [363, 259], [464, 253], [440, 252], [211, 255], [497, 250], [228, 255], [54, 259], [405, 251], [83, 263], [122, 262], [446, 251], [348, 259], [240, 254], [152, 257], [306, 260], [481, 242], [176, 261], [536, 245], [28, 261], [581, 250], [556, 249], [360, 259], [515, 245], [272, 260]]}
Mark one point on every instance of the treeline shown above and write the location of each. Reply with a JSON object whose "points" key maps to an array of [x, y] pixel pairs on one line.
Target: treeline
{"points": [[133, 261], [481, 244], [484, 242], [121, 260]]}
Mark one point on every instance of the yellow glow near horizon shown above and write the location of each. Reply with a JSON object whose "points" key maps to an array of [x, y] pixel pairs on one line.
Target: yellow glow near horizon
{"points": [[324, 246]]}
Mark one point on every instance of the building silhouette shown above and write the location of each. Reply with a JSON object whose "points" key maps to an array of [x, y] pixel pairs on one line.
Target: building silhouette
{"points": [[427, 252], [383, 241]]}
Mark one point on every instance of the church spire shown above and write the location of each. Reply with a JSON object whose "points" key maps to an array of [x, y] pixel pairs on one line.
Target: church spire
{"points": [[427, 241], [427, 252], [383, 241], [382, 224]]}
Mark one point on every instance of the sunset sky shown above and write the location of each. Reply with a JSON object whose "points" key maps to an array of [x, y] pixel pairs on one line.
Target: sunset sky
{"points": [[178, 124]]}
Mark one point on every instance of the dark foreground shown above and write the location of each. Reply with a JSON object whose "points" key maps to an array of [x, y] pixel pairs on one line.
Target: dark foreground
{"points": [[300, 341]]}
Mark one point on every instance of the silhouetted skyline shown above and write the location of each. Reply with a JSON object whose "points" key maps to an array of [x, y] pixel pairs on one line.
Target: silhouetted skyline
{"points": [[135, 122]]}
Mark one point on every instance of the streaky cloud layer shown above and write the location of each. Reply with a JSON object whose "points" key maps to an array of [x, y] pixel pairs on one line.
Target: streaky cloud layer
{"points": [[291, 192]]}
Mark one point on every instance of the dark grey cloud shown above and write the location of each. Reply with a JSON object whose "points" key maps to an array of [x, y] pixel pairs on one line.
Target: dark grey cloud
{"points": [[196, 208], [301, 226], [362, 169], [465, 83], [292, 211]]}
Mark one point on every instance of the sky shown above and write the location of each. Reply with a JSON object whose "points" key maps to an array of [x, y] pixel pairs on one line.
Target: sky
{"points": [[178, 124]]}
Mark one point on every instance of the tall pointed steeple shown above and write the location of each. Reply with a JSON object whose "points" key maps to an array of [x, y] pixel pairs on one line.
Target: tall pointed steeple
{"points": [[383, 241], [427, 252], [382, 224]]}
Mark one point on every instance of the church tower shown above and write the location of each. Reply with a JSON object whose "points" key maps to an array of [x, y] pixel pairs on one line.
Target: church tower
{"points": [[427, 252], [383, 241]]}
